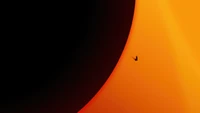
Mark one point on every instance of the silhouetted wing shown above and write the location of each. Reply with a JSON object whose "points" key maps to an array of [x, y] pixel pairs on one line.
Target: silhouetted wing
{"points": [[136, 58]]}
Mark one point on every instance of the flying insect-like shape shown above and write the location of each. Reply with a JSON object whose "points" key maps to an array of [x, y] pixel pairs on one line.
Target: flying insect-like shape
{"points": [[136, 58]]}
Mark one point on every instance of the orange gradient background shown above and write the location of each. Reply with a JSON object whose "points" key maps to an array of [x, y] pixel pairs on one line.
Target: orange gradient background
{"points": [[165, 35]]}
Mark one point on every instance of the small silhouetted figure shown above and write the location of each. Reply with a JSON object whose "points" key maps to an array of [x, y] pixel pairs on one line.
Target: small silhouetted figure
{"points": [[136, 58]]}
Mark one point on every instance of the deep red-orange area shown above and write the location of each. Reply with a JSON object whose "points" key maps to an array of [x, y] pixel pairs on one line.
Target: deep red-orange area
{"points": [[166, 78]]}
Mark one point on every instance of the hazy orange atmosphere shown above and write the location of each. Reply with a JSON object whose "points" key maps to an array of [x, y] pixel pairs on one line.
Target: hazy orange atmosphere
{"points": [[165, 35]]}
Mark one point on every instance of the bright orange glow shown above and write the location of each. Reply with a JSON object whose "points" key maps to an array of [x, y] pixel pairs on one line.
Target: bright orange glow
{"points": [[165, 35]]}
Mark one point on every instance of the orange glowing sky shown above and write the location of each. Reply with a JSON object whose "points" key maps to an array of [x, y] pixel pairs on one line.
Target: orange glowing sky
{"points": [[165, 35]]}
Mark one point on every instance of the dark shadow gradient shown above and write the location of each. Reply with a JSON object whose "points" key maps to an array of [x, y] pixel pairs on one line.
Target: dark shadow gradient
{"points": [[64, 54]]}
